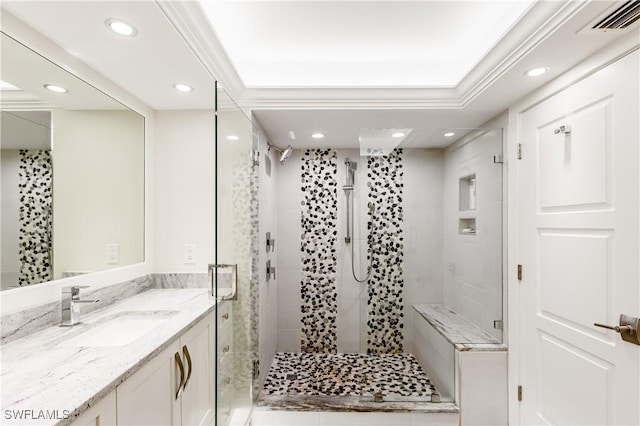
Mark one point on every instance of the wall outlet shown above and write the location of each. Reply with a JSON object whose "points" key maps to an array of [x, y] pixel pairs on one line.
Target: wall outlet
{"points": [[113, 254], [190, 254]]}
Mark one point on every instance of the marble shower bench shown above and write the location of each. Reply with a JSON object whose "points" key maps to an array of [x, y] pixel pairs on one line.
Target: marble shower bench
{"points": [[467, 364]]}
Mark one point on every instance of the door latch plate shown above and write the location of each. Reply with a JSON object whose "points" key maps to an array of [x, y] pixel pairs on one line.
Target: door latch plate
{"points": [[632, 336]]}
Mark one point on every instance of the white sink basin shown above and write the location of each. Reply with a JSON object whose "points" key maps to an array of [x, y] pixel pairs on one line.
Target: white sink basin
{"points": [[118, 330]]}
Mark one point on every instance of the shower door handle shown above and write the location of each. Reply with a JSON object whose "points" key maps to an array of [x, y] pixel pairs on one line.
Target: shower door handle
{"points": [[213, 274]]}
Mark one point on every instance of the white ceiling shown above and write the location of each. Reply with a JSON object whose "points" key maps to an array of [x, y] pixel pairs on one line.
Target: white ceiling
{"points": [[146, 65], [383, 66], [358, 43], [29, 72]]}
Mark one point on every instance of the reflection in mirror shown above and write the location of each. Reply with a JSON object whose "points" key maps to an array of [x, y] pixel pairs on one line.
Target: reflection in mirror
{"points": [[72, 164]]}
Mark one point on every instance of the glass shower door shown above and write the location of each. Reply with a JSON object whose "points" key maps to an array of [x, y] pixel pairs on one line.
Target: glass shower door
{"points": [[235, 270]]}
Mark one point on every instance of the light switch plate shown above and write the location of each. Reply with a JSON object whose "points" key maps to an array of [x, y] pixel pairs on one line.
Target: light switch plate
{"points": [[189, 254], [113, 254]]}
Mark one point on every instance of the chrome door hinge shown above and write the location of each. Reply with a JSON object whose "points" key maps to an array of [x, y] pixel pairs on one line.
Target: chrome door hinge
{"points": [[519, 272], [519, 151], [519, 393]]}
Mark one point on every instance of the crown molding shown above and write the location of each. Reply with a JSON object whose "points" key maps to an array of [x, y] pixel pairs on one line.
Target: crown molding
{"points": [[193, 26], [25, 105], [539, 22], [19, 100]]}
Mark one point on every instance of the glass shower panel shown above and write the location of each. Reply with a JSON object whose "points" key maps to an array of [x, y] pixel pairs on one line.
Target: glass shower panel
{"points": [[236, 259], [473, 237], [428, 223]]}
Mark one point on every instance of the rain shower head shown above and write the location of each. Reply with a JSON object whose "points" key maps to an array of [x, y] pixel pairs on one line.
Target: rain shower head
{"points": [[284, 153]]}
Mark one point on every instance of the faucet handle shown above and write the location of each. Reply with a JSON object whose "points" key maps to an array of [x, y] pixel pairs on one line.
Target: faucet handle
{"points": [[73, 289]]}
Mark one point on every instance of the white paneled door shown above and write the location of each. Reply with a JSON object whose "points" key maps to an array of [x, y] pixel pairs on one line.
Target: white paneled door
{"points": [[579, 187]]}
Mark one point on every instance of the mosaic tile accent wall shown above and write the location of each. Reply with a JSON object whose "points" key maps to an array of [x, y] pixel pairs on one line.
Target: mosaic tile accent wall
{"points": [[319, 238], [34, 249], [385, 320], [245, 249]]}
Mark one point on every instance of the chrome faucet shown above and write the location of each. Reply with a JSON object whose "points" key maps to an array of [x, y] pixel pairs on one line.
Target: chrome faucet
{"points": [[70, 305]]}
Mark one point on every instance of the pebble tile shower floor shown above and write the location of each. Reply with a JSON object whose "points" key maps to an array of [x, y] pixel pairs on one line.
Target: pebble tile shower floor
{"points": [[395, 377]]}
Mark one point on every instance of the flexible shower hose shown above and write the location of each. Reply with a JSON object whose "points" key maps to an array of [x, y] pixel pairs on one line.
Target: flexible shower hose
{"points": [[353, 268]]}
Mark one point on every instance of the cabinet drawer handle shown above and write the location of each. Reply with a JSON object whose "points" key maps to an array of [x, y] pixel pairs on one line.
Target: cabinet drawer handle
{"points": [[181, 367], [225, 316], [225, 349], [185, 351]]}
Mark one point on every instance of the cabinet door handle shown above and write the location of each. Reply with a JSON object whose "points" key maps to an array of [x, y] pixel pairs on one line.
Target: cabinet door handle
{"points": [[181, 367], [185, 351]]}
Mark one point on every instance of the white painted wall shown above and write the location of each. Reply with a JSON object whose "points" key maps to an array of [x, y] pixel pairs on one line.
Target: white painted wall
{"points": [[10, 193], [473, 263], [98, 189], [185, 189]]}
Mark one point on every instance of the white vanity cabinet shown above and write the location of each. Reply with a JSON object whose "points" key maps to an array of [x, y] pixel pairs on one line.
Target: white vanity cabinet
{"points": [[160, 394], [101, 414]]}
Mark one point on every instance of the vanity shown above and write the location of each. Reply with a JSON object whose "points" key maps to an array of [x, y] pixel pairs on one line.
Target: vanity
{"points": [[148, 359], [145, 353]]}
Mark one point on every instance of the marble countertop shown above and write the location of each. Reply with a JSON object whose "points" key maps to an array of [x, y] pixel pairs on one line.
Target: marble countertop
{"points": [[459, 331], [39, 372]]}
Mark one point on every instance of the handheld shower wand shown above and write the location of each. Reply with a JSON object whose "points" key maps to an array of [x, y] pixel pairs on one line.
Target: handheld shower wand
{"points": [[348, 189]]}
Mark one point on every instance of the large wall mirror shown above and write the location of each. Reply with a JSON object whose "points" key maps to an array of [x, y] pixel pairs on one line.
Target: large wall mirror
{"points": [[72, 173]]}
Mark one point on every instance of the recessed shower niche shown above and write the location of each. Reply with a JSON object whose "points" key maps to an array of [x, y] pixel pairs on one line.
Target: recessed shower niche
{"points": [[467, 205], [467, 226], [467, 192]]}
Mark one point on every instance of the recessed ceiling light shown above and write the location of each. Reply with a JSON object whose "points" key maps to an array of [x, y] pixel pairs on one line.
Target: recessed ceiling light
{"points": [[181, 87], [535, 72], [449, 134], [232, 138], [292, 135], [376, 152], [397, 135], [55, 88], [121, 27], [317, 135]]}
